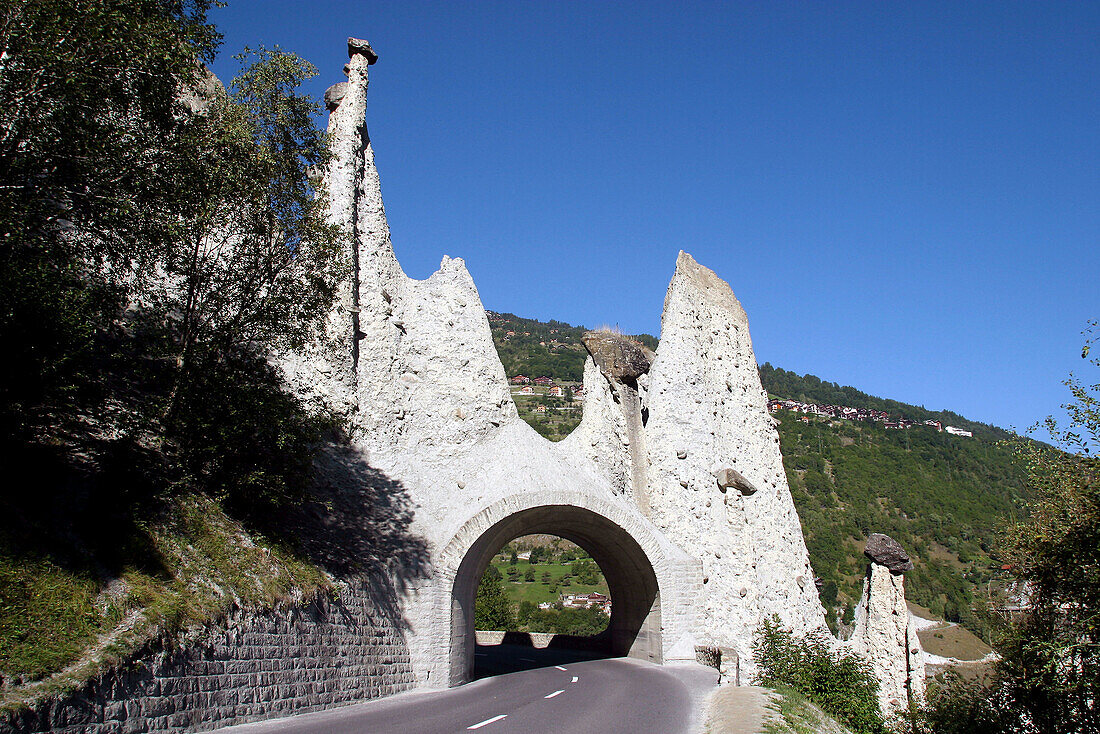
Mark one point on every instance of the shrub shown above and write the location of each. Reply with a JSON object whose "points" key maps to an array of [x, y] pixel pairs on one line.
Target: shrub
{"points": [[838, 681]]}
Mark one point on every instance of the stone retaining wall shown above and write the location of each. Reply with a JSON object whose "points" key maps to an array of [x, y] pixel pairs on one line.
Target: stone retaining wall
{"points": [[253, 666]]}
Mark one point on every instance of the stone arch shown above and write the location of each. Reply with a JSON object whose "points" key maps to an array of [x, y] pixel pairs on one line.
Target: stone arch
{"points": [[636, 564]]}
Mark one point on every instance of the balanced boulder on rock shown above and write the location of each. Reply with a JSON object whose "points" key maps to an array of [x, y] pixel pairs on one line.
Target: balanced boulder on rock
{"points": [[617, 357], [885, 551]]}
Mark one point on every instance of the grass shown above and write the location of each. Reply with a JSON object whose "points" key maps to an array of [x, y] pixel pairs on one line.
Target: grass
{"points": [[557, 422], [953, 642], [795, 714], [48, 616], [537, 592]]}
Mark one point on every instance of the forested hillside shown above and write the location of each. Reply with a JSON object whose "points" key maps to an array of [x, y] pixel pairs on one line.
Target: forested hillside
{"points": [[943, 497], [536, 348]]}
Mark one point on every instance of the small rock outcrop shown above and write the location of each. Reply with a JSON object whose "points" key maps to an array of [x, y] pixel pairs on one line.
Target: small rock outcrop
{"points": [[334, 95], [885, 551], [359, 47], [731, 479], [883, 634]]}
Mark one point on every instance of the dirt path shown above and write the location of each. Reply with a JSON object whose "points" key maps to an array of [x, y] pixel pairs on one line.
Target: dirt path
{"points": [[737, 710]]}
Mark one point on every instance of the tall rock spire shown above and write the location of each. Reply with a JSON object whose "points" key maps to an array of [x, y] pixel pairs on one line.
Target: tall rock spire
{"points": [[884, 634], [716, 481], [355, 200], [419, 352]]}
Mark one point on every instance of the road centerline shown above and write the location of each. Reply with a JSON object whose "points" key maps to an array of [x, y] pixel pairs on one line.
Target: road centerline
{"points": [[559, 667], [480, 724], [555, 693], [574, 679]]}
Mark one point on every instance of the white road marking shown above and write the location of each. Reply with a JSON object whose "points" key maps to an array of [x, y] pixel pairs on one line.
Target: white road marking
{"points": [[574, 679], [559, 667], [498, 717], [555, 693]]}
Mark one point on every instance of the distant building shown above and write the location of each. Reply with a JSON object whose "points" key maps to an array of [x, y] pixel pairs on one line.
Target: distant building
{"points": [[958, 431], [520, 380], [528, 390], [555, 391]]}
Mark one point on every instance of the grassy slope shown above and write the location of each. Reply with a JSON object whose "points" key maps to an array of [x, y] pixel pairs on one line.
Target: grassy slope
{"points": [[536, 591], [942, 497], [64, 617]]}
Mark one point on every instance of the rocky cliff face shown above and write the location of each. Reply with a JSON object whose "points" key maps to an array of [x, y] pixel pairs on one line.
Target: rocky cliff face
{"points": [[707, 414]]}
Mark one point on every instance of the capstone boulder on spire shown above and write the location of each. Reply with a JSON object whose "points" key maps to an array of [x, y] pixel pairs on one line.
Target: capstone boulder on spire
{"points": [[363, 48]]}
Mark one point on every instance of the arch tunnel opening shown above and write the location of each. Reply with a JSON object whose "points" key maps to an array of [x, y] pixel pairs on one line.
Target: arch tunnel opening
{"points": [[634, 628]]}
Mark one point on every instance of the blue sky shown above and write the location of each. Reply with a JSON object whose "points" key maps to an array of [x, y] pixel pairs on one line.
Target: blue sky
{"points": [[904, 196]]}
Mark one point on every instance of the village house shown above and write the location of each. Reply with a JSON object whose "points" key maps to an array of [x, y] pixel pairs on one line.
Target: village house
{"points": [[593, 600]]}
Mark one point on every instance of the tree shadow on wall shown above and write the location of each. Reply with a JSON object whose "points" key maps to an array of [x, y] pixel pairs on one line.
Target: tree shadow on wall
{"points": [[357, 521]]}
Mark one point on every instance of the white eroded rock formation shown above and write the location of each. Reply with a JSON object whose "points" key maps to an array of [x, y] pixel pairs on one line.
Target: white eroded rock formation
{"points": [[673, 480], [705, 400], [883, 633]]}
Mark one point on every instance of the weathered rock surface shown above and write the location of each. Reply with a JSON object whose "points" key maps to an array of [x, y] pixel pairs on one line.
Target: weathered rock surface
{"points": [[884, 636], [885, 551], [704, 399], [199, 96]]}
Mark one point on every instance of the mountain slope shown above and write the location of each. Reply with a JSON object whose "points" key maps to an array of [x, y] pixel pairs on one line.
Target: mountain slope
{"points": [[941, 496]]}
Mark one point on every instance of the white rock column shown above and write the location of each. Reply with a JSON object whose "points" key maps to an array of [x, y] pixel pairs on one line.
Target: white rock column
{"points": [[883, 634], [716, 484]]}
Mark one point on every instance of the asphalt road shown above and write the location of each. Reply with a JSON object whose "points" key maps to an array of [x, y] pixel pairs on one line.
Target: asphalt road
{"points": [[608, 695]]}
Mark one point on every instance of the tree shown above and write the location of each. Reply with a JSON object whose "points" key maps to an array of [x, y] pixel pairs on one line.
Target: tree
{"points": [[529, 574], [135, 227], [256, 264], [89, 117], [1050, 667], [1048, 675], [254, 270], [492, 610], [89, 104]]}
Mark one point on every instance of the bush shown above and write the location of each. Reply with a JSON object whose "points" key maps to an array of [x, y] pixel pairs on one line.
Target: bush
{"points": [[839, 682], [958, 706]]}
